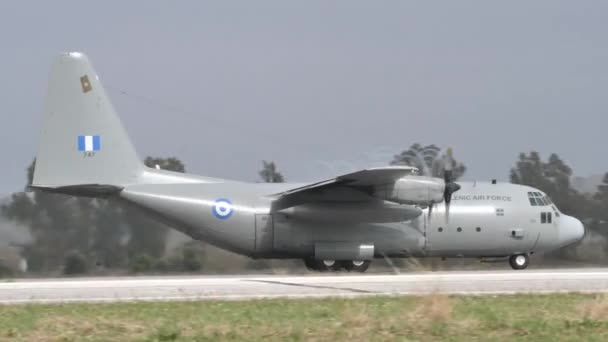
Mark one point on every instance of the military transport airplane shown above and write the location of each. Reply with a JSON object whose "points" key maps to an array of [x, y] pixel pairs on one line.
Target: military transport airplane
{"points": [[340, 223]]}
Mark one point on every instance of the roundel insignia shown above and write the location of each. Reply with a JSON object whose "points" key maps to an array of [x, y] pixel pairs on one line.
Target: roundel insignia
{"points": [[222, 208]]}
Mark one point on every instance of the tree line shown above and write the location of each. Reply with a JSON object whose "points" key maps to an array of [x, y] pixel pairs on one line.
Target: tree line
{"points": [[73, 235]]}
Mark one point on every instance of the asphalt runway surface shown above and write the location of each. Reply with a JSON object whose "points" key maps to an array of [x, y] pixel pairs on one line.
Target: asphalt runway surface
{"points": [[305, 286]]}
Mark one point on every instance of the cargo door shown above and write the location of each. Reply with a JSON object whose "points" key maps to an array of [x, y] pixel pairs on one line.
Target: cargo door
{"points": [[264, 234]]}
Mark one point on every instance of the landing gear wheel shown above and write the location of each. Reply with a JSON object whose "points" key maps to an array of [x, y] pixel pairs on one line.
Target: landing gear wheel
{"points": [[356, 265], [329, 265], [322, 265], [310, 264], [519, 261]]}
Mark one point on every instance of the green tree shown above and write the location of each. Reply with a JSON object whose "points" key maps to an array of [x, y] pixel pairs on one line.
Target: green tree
{"points": [[109, 243], [57, 223], [269, 173], [171, 164], [599, 215], [552, 177], [75, 263], [529, 170], [602, 190], [428, 159]]}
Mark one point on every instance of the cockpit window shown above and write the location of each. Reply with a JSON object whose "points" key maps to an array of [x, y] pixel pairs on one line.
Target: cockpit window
{"points": [[538, 199]]}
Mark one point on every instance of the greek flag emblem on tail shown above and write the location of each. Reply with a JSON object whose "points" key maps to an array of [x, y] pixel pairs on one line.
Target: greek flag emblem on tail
{"points": [[89, 143]]}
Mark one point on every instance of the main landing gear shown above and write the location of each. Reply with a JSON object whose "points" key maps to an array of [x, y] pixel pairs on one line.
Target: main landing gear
{"points": [[519, 261], [337, 265]]}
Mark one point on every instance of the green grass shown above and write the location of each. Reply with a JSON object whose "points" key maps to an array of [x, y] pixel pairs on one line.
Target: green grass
{"points": [[572, 317]]}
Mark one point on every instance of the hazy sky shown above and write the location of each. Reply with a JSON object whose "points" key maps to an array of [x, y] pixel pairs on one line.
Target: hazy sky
{"points": [[321, 87]]}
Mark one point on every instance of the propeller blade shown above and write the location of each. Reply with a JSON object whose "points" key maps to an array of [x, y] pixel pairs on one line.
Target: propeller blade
{"points": [[450, 188], [448, 162], [448, 177]]}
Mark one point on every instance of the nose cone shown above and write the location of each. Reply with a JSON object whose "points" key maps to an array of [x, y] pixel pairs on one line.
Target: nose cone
{"points": [[571, 230]]}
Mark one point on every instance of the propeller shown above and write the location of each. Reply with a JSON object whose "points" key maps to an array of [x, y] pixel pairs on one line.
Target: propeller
{"points": [[448, 178]]}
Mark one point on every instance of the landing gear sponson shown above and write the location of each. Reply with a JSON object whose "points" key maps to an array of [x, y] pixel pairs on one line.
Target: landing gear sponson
{"points": [[337, 265]]}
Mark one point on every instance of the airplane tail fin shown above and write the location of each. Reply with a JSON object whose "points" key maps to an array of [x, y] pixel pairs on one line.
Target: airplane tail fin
{"points": [[83, 144]]}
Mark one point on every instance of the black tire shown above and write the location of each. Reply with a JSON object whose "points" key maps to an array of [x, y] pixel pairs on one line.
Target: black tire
{"points": [[329, 265], [356, 265], [310, 264], [322, 265], [519, 261]]}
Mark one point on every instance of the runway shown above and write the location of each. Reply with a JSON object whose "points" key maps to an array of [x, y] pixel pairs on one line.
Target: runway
{"points": [[326, 285]]}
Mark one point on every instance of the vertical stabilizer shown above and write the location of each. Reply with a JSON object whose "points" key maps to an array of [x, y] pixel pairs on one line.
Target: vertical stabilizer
{"points": [[82, 141]]}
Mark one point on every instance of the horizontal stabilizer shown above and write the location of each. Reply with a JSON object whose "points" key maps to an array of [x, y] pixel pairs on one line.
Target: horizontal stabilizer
{"points": [[85, 190]]}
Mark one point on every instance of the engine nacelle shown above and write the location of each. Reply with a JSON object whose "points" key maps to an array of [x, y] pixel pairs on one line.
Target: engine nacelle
{"points": [[355, 212], [413, 190]]}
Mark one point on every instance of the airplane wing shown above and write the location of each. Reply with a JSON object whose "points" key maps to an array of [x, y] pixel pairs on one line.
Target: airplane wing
{"points": [[352, 187]]}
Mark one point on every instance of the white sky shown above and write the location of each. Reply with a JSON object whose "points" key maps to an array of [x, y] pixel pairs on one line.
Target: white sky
{"points": [[321, 87]]}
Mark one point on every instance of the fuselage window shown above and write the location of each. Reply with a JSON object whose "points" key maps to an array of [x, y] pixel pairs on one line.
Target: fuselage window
{"points": [[500, 212], [543, 217], [478, 229], [440, 229], [459, 229], [546, 217]]}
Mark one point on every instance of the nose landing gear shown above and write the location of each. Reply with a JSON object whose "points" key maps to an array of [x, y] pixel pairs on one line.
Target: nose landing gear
{"points": [[519, 261]]}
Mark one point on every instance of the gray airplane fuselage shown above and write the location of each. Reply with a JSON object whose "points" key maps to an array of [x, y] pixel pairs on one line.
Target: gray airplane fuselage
{"points": [[485, 220]]}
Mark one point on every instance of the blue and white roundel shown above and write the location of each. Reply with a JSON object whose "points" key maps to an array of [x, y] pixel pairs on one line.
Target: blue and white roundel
{"points": [[222, 209]]}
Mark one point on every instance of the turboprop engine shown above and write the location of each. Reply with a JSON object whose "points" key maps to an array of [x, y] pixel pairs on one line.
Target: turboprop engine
{"points": [[414, 190], [424, 190]]}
